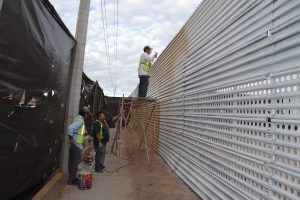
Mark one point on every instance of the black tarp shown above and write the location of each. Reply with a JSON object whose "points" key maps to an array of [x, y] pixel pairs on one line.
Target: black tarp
{"points": [[113, 104], [35, 64], [92, 96]]}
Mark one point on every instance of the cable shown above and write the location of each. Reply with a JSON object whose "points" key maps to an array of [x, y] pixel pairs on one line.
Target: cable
{"points": [[116, 46], [104, 34], [125, 158], [106, 41], [110, 74], [104, 24], [107, 38], [111, 172], [116, 24]]}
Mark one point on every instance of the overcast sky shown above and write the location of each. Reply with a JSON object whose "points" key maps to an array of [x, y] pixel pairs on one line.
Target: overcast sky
{"points": [[141, 23]]}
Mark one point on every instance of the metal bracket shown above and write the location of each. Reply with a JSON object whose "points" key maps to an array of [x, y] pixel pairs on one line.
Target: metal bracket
{"points": [[268, 75]]}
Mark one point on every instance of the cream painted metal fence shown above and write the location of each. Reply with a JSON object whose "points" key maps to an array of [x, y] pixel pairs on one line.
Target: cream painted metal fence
{"points": [[228, 89]]}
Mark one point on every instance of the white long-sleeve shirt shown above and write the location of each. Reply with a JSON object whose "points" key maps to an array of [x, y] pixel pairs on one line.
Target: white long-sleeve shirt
{"points": [[145, 57], [73, 129]]}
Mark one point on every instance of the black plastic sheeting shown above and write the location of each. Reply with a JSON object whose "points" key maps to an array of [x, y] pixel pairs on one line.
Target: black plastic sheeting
{"points": [[36, 52], [113, 106], [93, 97]]}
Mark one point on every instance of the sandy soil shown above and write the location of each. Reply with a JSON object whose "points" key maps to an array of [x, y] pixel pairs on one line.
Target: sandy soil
{"points": [[155, 180]]}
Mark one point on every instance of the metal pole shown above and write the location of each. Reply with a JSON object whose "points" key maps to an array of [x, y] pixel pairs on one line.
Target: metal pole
{"points": [[1, 2]]}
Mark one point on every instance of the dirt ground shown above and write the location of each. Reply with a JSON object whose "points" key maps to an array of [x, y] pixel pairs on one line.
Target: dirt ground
{"points": [[155, 180], [135, 180]]}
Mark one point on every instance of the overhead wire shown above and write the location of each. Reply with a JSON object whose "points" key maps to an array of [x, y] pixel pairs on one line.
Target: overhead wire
{"points": [[106, 41], [116, 20], [105, 20]]}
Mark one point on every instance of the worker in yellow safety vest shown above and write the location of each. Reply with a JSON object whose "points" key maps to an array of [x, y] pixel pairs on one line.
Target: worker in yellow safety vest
{"points": [[101, 137], [76, 131], [144, 69]]}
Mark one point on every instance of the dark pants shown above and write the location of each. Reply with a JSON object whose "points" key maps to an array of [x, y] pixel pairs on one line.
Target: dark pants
{"points": [[74, 160], [100, 156], [143, 86]]}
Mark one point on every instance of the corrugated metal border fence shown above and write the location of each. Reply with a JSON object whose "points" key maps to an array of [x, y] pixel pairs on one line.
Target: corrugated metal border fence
{"points": [[228, 88]]}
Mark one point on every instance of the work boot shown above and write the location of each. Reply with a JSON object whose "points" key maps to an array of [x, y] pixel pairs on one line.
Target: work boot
{"points": [[74, 182], [102, 167]]}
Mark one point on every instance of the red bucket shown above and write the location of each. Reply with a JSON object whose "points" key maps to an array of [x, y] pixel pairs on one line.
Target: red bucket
{"points": [[86, 179]]}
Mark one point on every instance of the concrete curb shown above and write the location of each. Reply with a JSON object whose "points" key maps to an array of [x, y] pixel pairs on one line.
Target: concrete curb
{"points": [[49, 186]]}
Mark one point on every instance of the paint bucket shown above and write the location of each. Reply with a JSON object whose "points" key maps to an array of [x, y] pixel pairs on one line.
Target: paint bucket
{"points": [[86, 179]]}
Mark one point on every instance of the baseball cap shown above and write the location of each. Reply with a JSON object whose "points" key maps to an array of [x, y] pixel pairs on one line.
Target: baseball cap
{"points": [[147, 47], [86, 110]]}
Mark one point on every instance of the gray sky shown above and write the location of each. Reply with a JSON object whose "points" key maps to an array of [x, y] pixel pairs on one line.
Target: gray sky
{"points": [[141, 23]]}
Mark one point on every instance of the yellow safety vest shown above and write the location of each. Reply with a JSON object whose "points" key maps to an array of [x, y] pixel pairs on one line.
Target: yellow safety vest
{"points": [[147, 66], [101, 134], [81, 130]]}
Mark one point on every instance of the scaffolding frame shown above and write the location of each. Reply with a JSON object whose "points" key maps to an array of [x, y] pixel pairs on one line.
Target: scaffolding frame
{"points": [[133, 109]]}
